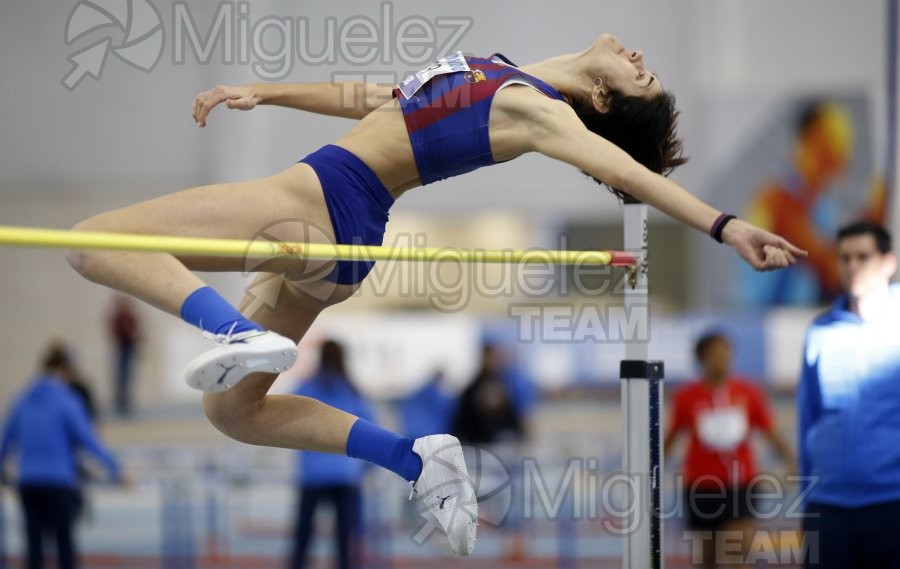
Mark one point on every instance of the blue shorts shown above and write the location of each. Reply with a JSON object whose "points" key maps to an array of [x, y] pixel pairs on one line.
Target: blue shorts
{"points": [[358, 205]]}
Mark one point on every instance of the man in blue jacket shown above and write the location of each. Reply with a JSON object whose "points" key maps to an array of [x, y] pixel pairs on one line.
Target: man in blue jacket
{"points": [[47, 424], [849, 412]]}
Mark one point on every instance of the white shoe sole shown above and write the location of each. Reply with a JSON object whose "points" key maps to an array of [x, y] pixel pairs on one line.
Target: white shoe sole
{"points": [[224, 366]]}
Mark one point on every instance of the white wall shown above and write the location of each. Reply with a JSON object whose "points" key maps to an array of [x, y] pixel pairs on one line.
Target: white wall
{"points": [[131, 124]]}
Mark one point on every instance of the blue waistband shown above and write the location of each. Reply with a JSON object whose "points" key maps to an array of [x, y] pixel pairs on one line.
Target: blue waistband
{"points": [[353, 166]]}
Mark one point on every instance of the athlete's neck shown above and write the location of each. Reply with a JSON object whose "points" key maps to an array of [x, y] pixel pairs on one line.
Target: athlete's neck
{"points": [[569, 74]]}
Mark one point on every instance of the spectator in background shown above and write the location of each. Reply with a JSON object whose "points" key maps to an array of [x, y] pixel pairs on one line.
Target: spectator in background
{"points": [[70, 373], [719, 411], [488, 410], [47, 424], [848, 403], [124, 330], [331, 477], [492, 412], [74, 379], [428, 411]]}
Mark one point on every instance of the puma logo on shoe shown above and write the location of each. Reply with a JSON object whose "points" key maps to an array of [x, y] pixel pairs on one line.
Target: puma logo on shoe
{"points": [[225, 373], [444, 499]]}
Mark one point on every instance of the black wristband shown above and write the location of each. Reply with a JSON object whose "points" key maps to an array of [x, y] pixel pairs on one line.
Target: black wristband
{"points": [[716, 230]]}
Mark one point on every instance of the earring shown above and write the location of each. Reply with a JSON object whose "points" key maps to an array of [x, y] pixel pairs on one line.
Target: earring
{"points": [[598, 81]]}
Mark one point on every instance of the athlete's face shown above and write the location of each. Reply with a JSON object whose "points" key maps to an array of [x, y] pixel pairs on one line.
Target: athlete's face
{"points": [[623, 70]]}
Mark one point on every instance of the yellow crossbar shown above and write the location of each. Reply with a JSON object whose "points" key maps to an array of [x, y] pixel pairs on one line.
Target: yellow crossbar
{"points": [[261, 248]]}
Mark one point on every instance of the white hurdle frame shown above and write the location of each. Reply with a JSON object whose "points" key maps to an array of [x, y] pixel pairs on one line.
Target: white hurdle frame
{"points": [[641, 410]]}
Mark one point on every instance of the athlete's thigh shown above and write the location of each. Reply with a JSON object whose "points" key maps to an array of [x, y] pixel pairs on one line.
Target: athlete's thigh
{"points": [[290, 306], [287, 207]]}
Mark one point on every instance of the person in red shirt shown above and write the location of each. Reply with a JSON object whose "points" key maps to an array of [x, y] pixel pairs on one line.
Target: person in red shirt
{"points": [[720, 411], [125, 332]]}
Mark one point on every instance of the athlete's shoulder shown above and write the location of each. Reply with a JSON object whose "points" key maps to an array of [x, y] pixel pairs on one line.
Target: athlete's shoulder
{"points": [[528, 102]]}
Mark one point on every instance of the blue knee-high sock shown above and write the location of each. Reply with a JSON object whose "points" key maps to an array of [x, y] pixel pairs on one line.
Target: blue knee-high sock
{"points": [[207, 310], [370, 442]]}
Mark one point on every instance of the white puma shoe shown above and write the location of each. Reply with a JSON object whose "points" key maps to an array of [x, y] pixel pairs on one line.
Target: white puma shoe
{"points": [[446, 491], [239, 355]]}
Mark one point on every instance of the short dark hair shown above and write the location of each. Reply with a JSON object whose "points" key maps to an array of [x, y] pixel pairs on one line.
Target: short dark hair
{"points": [[644, 128], [881, 235], [332, 357], [706, 341], [332, 363], [56, 358]]}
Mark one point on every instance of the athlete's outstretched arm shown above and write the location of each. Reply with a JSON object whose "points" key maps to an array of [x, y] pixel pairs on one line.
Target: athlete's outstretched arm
{"points": [[352, 100], [560, 134]]}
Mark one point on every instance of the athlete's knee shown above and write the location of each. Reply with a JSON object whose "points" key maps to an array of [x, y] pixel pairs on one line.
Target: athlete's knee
{"points": [[89, 263], [233, 417], [84, 262]]}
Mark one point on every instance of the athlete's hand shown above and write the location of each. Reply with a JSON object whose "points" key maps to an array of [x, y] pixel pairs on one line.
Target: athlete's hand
{"points": [[763, 250], [242, 98]]}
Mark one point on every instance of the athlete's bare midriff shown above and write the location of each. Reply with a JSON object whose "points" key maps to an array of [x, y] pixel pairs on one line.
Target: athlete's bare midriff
{"points": [[382, 141]]}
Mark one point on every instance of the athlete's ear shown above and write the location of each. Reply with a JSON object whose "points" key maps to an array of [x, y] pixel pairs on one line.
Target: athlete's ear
{"points": [[600, 95]]}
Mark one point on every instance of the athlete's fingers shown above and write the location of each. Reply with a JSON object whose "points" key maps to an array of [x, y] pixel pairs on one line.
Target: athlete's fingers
{"points": [[194, 107], [766, 263], [779, 260], [793, 249], [210, 100], [198, 111], [792, 259], [199, 115], [206, 105], [776, 258], [767, 259], [202, 113]]}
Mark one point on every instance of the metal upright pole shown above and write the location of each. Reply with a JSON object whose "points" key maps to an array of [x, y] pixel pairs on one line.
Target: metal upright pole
{"points": [[641, 410]]}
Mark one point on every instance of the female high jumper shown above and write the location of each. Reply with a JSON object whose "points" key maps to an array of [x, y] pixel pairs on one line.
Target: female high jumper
{"points": [[599, 110]]}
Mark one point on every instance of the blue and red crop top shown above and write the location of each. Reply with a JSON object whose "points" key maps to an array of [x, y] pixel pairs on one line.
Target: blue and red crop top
{"points": [[447, 118]]}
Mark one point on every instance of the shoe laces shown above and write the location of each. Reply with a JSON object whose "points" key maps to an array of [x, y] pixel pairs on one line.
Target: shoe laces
{"points": [[230, 337]]}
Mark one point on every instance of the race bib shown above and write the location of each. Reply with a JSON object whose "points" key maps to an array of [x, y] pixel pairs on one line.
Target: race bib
{"points": [[453, 63], [723, 428]]}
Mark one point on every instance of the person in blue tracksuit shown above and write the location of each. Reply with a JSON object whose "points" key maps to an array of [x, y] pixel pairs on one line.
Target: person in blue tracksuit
{"points": [[46, 425], [849, 412], [428, 410], [324, 478]]}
